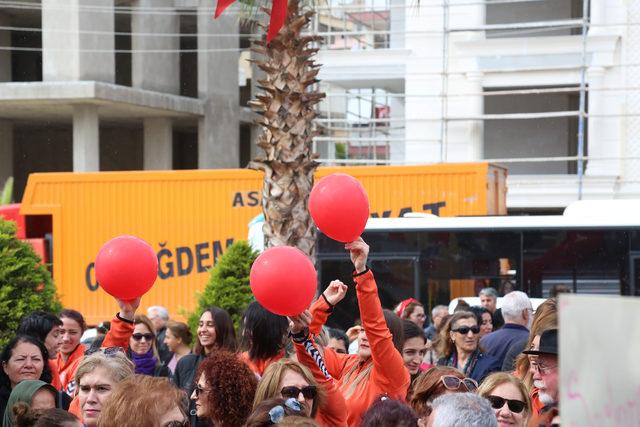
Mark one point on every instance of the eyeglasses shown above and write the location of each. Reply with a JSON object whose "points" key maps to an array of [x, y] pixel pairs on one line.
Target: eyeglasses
{"points": [[184, 423], [199, 390], [107, 351], [498, 402], [453, 383], [542, 368], [139, 337], [309, 392], [464, 330]]}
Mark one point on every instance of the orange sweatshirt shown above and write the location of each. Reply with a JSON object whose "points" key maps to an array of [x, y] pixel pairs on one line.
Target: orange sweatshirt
{"points": [[387, 373], [118, 336], [334, 411], [67, 370], [258, 366]]}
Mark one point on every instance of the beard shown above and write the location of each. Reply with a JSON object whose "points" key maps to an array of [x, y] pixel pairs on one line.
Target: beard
{"points": [[545, 398]]}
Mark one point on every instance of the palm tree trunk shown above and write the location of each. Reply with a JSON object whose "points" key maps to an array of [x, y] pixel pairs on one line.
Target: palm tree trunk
{"points": [[286, 106]]}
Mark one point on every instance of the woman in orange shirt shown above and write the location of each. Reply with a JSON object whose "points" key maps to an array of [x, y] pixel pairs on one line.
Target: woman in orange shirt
{"points": [[378, 368], [267, 334]]}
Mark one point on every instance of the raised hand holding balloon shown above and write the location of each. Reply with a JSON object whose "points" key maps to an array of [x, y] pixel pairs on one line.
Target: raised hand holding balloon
{"points": [[126, 267], [340, 207], [283, 279]]}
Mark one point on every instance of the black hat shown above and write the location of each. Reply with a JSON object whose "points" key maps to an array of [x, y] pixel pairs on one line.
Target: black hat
{"points": [[548, 343]]}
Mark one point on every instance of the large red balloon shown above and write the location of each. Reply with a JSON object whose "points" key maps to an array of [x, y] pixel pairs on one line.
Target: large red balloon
{"points": [[283, 280], [340, 207], [126, 267]]}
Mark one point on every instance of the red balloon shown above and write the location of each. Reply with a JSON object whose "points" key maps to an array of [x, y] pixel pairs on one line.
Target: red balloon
{"points": [[340, 207], [126, 267], [283, 280]]}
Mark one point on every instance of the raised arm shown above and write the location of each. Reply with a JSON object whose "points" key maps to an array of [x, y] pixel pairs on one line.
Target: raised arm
{"points": [[122, 325], [388, 366]]}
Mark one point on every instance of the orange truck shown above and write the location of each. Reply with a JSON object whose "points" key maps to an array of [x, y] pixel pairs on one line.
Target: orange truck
{"points": [[191, 217]]}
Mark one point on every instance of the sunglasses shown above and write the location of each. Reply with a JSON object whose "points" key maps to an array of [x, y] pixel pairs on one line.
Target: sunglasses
{"points": [[498, 402], [309, 392], [200, 390], [464, 330], [139, 337], [453, 383], [107, 351]]}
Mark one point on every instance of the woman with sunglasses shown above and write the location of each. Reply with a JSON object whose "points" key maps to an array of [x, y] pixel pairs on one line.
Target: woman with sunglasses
{"points": [[508, 397], [225, 389], [289, 379], [143, 350], [433, 383], [458, 344]]}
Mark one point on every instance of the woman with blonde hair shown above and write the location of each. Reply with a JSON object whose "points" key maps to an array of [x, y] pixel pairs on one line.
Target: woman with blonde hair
{"points": [[508, 397], [289, 379], [378, 368], [97, 376], [145, 401], [459, 345]]}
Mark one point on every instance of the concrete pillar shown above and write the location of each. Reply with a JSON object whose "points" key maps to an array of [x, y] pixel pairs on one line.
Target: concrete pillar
{"points": [[219, 129], [86, 138], [5, 55], [6, 150], [155, 71], [158, 144], [397, 23], [66, 47]]}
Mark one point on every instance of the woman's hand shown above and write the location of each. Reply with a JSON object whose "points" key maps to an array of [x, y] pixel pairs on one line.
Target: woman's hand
{"points": [[335, 292], [359, 251], [128, 308], [353, 332], [300, 322]]}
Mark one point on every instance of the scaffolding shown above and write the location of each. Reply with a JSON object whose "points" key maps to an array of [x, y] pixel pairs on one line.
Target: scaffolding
{"points": [[350, 134]]}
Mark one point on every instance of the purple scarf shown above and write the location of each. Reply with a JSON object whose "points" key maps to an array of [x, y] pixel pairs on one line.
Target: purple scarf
{"points": [[145, 363]]}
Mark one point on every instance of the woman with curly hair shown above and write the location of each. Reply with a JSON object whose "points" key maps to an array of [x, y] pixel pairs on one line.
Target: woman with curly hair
{"points": [[224, 390]]}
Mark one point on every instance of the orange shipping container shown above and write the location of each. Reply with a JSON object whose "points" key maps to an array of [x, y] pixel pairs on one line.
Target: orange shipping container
{"points": [[191, 217]]}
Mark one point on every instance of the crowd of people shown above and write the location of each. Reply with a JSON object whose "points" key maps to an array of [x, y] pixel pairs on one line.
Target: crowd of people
{"points": [[391, 370]]}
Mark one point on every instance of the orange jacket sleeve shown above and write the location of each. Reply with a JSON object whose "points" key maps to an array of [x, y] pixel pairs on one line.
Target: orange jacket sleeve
{"points": [[319, 315], [334, 411], [119, 334], [388, 365]]}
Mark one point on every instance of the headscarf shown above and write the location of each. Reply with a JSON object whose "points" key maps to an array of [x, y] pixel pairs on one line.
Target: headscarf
{"points": [[23, 392], [403, 306]]}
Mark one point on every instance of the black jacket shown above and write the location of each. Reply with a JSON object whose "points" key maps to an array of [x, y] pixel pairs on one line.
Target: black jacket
{"points": [[5, 392]]}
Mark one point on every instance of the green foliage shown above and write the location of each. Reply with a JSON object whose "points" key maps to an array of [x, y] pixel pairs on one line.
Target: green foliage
{"points": [[228, 285], [341, 151], [25, 284], [7, 192]]}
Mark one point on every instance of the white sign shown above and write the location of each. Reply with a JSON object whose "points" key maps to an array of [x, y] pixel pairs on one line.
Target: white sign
{"points": [[599, 361]]}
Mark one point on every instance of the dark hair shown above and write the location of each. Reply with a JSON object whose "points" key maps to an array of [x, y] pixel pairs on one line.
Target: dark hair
{"points": [[479, 310], [38, 324], [25, 417], [233, 387], [264, 331], [462, 306], [181, 330], [96, 344], [389, 413], [74, 315], [103, 327], [340, 335], [225, 334], [394, 323], [411, 330], [7, 352], [260, 416]]}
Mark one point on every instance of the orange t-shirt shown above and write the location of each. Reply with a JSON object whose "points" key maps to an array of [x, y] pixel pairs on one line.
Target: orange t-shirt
{"points": [[258, 366]]}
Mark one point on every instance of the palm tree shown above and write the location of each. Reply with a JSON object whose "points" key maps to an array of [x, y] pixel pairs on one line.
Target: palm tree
{"points": [[287, 111]]}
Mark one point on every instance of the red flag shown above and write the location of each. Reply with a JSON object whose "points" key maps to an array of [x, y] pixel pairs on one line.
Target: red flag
{"points": [[221, 6], [278, 15]]}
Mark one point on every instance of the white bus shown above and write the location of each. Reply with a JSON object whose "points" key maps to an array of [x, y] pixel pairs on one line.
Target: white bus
{"points": [[594, 247]]}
